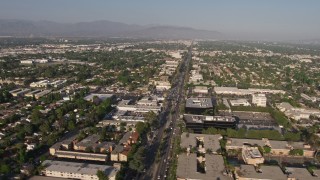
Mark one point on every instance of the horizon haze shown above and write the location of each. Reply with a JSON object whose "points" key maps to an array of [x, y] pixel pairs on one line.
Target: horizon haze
{"points": [[247, 19]]}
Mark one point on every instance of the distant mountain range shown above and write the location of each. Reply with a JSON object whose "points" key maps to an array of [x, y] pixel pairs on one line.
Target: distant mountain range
{"points": [[25, 28]]}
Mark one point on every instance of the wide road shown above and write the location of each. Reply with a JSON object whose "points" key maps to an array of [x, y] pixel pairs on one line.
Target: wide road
{"points": [[157, 169], [168, 118], [177, 100]]}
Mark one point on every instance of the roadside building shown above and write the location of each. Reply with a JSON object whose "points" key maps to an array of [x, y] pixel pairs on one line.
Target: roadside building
{"points": [[299, 174], [249, 172], [278, 148], [199, 105], [202, 142], [199, 122], [72, 170], [201, 89], [213, 166]]}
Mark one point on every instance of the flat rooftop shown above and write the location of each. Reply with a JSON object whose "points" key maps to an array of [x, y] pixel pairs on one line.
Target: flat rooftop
{"points": [[241, 142], [81, 154], [209, 141], [187, 167], [191, 118], [78, 168], [45, 178], [100, 96], [267, 172], [300, 173], [255, 119], [199, 103], [68, 139]]}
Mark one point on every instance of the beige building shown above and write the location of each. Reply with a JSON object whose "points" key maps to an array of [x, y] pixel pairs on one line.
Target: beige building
{"points": [[259, 100], [249, 172], [72, 170], [252, 155], [201, 89], [282, 148]]}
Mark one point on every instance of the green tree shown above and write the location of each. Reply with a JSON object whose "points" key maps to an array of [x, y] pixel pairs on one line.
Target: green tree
{"points": [[36, 116], [296, 152], [101, 175], [137, 163], [141, 127], [71, 125], [266, 149], [4, 168], [29, 128]]}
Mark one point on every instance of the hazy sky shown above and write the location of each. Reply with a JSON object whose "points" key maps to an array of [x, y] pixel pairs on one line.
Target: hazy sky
{"points": [[272, 17]]}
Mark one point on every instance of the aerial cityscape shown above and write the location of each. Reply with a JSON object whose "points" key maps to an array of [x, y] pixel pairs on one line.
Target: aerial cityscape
{"points": [[164, 90]]}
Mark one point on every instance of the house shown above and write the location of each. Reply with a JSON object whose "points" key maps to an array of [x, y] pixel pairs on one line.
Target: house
{"points": [[120, 153], [129, 138]]}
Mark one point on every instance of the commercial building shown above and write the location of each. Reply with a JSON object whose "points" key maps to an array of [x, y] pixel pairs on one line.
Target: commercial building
{"points": [[244, 92], [200, 89], [72, 170], [213, 167], [249, 172], [259, 100], [162, 85], [299, 174], [101, 97], [252, 155], [256, 121], [239, 102], [195, 76], [128, 116], [199, 122], [297, 113], [139, 107], [199, 105], [202, 142], [279, 148]]}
